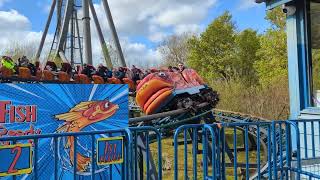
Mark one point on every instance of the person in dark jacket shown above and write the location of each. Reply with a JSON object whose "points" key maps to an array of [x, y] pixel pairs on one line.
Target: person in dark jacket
{"points": [[136, 73], [120, 73], [104, 72], [88, 70]]}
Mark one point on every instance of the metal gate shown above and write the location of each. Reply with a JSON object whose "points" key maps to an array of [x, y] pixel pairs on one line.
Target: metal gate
{"points": [[128, 168], [263, 150]]}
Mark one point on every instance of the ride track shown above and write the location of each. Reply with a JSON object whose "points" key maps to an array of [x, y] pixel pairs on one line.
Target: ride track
{"points": [[168, 122]]}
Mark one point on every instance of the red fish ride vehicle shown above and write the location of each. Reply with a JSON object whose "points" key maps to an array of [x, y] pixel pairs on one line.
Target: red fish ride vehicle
{"points": [[166, 91]]}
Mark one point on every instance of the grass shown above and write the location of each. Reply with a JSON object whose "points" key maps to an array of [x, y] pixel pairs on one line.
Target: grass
{"points": [[168, 159]]}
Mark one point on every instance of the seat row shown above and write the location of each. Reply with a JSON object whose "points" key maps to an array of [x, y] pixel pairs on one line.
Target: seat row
{"points": [[24, 74]]}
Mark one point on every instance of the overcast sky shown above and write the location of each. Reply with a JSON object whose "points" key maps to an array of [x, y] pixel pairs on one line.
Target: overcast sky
{"points": [[141, 24]]}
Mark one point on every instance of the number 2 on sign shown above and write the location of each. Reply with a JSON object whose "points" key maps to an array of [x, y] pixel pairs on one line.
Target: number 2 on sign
{"points": [[17, 152]]}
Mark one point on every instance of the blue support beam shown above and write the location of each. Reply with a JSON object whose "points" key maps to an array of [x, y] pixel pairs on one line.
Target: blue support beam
{"points": [[275, 3], [299, 59]]}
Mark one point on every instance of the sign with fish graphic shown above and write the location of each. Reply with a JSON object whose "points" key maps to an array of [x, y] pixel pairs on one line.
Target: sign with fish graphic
{"points": [[33, 109]]}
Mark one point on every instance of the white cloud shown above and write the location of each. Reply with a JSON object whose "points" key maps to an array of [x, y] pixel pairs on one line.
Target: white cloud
{"points": [[247, 4], [187, 28], [151, 19], [15, 30], [142, 17]]}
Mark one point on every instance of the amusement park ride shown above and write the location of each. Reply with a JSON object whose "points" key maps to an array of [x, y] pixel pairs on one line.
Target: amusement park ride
{"points": [[67, 36], [172, 102]]}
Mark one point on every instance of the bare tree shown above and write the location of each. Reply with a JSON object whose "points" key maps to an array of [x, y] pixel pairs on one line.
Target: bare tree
{"points": [[174, 49]]}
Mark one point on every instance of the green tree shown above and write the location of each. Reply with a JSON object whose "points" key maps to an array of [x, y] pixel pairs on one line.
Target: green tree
{"points": [[247, 45], [223, 53], [273, 61], [211, 54]]}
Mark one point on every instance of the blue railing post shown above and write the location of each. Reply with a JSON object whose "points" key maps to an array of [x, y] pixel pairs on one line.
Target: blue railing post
{"points": [[55, 143], [258, 151], [75, 157], [280, 149], [213, 146], [136, 155], [204, 152], [288, 149], [223, 143], [269, 151], [148, 155], [235, 153], [247, 152], [274, 148], [185, 139], [35, 158], [93, 160], [195, 152], [129, 153]]}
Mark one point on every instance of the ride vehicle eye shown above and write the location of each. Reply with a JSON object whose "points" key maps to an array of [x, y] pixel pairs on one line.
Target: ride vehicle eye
{"points": [[162, 74], [106, 105]]}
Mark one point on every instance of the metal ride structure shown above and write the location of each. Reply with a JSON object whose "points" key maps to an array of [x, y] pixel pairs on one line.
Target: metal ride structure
{"points": [[72, 43]]}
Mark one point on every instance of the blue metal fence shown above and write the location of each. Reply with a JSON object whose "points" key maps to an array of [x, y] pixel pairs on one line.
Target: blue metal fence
{"points": [[306, 148], [262, 150], [128, 167], [218, 151]]}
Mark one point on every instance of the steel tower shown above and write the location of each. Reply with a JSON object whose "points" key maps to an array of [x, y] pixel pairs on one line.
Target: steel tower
{"points": [[70, 42]]}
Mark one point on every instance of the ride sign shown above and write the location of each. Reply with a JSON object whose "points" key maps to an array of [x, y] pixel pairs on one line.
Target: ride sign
{"points": [[34, 109], [19, 157], [110, 150]]}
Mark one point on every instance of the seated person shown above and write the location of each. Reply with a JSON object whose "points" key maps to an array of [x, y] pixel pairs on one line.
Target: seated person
{"points": [[88, 70], [120, 73], [66, 67], [104, 72], [181, 67], [136, 73], [8, 63], [52, 65], [48, 67], [175, 69], [24, 62]]}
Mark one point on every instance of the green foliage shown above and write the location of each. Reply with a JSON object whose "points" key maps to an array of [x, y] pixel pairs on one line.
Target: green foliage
{"points": [[247, 45], [273, 52], [248, 70], [316, 69], [213, 51], [277, 19], [273, 57], [225, 53]]}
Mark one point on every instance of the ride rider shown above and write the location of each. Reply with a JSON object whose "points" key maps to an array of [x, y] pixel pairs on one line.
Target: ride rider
{"points": [[135, 73], [120, 73], [8, 63], [24, 62], [88, 70], [104, 72], [181, 67]]}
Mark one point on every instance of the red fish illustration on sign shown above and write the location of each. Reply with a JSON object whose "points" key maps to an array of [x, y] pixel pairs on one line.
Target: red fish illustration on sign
{"points": [[81, 116]]}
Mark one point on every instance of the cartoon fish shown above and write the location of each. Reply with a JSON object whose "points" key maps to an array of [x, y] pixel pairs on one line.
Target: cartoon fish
{"points": [[81, 116]]}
